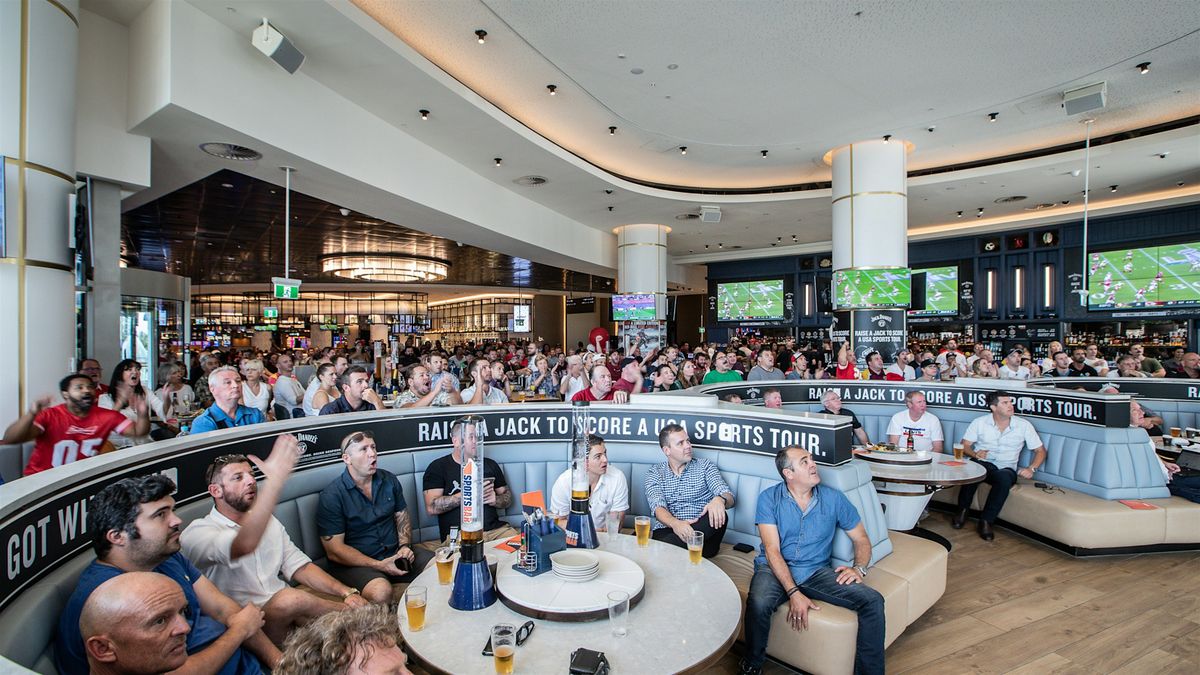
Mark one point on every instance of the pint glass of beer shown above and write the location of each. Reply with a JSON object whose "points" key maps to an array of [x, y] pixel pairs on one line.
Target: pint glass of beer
{"points": [[1176, 432], [414, 602], [641, 527], [504, 646], [445, 565], [958, 452], [695, 546]]}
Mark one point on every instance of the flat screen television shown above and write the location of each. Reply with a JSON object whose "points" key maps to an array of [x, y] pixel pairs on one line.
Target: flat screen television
{"points": [[940, 291], [751, 300], [635, 307], [1151, 276], [872, 288]]}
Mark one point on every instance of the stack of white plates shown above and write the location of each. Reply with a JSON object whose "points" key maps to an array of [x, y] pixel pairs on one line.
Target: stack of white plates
{"points": [[575, 565]]}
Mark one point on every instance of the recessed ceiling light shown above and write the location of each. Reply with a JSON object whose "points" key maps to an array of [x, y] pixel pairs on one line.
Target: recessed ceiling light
{"points": [[1112, 188], [552, 88], [1143, 68], [960, 214], [423, 113], [612, 131], [481, 35], [764, 154], [1163, 155], [886, 138], [498, 161], [226, 185], [992, 116], [683, 149]]}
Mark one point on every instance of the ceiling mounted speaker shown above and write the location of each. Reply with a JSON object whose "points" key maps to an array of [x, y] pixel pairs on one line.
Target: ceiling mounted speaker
{"points": [[710, 214], [1085, 99], [275, 45]]}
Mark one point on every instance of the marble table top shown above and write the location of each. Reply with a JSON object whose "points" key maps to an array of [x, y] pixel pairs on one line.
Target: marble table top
{"points": [[935, 473], [686, 621], [582, 601]]}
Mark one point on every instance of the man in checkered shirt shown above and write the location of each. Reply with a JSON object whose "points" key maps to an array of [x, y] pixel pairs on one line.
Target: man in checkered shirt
{"points": [[686, 494]]}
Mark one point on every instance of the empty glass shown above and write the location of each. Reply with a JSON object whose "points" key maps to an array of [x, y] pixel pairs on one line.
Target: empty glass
{"points": [[618, 613], [613, 523]]}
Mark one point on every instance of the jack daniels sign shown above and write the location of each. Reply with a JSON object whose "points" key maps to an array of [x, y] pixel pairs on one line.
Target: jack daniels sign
{"points": [[1145, 387], [47, 528], [1040, 402]]}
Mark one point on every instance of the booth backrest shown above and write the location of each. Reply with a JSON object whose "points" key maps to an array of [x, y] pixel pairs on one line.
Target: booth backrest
{"points": [[1176, 413], [1105, 462], [527, 467], [13, 459]]}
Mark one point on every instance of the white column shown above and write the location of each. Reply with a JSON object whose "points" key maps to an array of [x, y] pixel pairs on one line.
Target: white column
{"points": [[39, 40], [642, 262], [870, 205]]}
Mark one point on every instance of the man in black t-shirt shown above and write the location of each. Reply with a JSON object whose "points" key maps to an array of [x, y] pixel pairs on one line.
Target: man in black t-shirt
{"points": [[443, 494], [1079, 366], [833, 406]]}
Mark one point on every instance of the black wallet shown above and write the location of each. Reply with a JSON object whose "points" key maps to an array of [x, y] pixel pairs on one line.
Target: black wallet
{"points": [[588, 662]]}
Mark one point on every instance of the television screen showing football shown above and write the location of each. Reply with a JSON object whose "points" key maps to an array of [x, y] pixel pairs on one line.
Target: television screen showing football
{"points": [[870, 288], [750, 300], [1153, 276], [635, 307], [941, 291]]}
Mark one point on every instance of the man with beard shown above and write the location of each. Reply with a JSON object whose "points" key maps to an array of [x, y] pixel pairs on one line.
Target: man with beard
{"points": [[134, 528], [244, 549], [364, 524], [421, 393], [72, 430], [135, 623]]}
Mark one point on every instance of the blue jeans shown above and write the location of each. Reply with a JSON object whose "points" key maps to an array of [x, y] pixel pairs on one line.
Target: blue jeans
{"points": [[767, 594]]}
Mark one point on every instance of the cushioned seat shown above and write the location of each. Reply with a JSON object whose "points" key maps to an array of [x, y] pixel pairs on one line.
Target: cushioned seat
{"points": [[912, 576]]}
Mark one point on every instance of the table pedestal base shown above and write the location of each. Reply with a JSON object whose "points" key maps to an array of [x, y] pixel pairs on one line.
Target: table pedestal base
{"points": [[903, 503]]}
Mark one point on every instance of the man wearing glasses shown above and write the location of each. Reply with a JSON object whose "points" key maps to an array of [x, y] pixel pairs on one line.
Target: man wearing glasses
{"points": [[364, 524], [245, 550]]}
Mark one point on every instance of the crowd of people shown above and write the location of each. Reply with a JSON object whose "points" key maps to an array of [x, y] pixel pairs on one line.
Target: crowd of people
{"points": [[232, 593], [243, 387]]}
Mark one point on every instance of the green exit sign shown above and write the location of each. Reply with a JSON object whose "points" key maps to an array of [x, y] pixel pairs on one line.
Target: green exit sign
{"points": [[270, 312], [286, 289]]}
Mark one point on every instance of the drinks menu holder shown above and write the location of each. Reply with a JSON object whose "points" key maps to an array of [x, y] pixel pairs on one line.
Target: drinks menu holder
{"points": [[539, 548]]}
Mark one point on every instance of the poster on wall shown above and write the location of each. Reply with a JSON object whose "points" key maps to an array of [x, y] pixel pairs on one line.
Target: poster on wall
{"points": [[877, 330], [642, 337]]}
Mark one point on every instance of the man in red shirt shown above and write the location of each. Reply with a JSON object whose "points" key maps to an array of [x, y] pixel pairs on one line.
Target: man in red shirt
{"points": [[614, 364], [845, 363], [601, 388], [630, 382], [73, 430]]}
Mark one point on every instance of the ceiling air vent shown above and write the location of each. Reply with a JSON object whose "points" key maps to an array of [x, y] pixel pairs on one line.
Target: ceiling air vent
{"points": [[531, 181], [238, 153], [1009, 200]]}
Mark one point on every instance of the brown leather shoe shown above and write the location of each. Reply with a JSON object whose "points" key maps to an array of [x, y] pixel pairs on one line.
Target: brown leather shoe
{"points": [[985, 531], [960, 519]]}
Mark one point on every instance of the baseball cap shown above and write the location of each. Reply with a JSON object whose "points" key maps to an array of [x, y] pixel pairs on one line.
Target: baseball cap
{"points": [[627, 360], [928, 362]]}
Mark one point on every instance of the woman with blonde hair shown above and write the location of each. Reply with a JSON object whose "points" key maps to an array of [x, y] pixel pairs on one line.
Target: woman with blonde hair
{"points": [[256, 393]]}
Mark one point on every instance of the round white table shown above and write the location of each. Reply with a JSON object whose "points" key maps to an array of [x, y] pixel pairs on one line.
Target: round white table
{"points": [[661, 638], [905, 490]]}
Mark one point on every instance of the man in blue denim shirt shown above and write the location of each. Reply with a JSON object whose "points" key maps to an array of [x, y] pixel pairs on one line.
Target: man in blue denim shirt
{"points": [[796, 522]]}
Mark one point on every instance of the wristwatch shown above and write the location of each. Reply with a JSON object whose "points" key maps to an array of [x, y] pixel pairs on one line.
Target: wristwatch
{"points": [[862, 570]]}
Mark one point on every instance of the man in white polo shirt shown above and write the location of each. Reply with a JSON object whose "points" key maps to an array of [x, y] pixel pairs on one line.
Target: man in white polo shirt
{"points": [[924, 427], [995, 441], [1012, 368], [610, 491]]}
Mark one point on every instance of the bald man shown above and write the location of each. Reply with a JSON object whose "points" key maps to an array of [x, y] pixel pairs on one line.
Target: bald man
{"points": [[135, 623]]}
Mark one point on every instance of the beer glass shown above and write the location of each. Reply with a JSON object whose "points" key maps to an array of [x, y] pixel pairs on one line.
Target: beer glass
{"points": [[641, 527], [445, 565], [613, 523], [414, 602], [618, 613], [504, 647], [1175, 432], [695, 544], [958, 452]]}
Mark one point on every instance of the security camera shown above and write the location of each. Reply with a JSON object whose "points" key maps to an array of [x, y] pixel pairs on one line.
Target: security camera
{"points": [[344, 211]]}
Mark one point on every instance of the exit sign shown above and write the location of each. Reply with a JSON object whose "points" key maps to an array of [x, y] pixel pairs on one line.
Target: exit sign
{"points": [[270, 312], [286, 289]]}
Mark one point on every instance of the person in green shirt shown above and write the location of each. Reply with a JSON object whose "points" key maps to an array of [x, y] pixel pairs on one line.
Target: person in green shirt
{"points": [[721, 371]]}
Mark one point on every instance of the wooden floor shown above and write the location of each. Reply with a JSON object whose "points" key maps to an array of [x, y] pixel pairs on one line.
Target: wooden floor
{"points": [[1016, 606]]}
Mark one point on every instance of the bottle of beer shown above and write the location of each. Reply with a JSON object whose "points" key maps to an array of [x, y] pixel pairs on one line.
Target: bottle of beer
{"points": [[908, 444]]}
